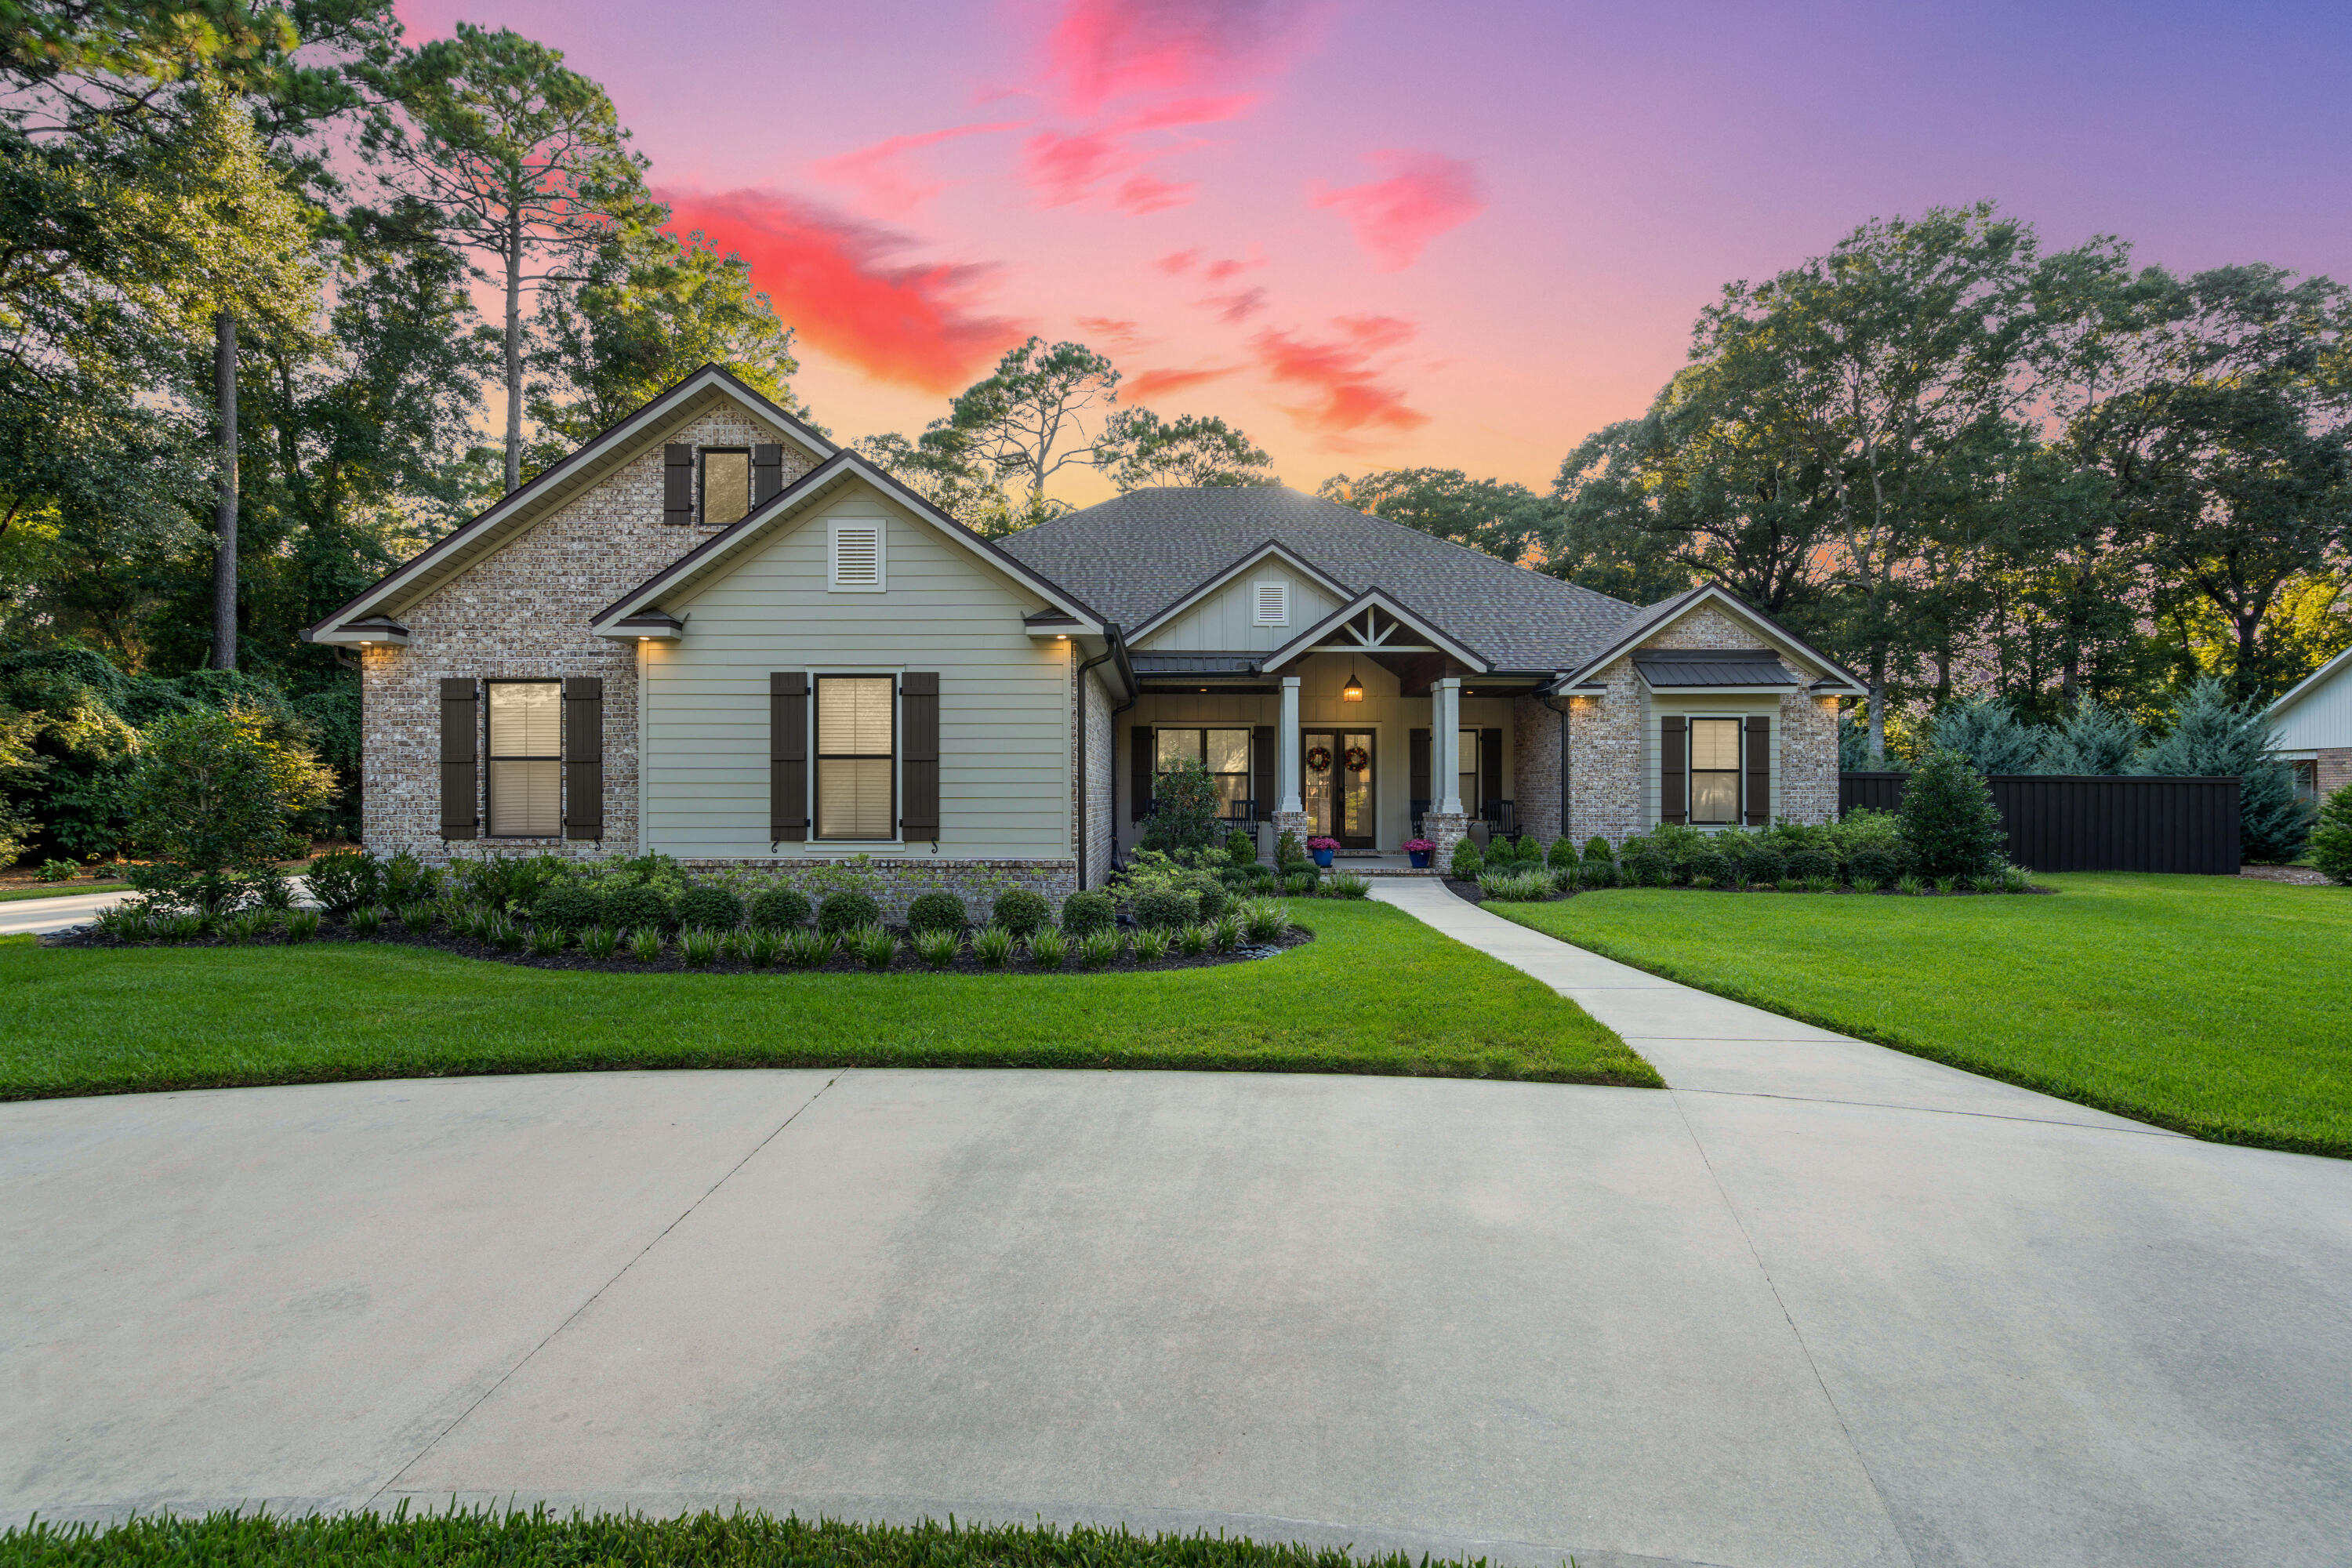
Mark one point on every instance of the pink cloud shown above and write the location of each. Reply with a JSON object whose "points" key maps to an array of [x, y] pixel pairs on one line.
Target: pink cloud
{"points": [[832, 279], [877, 173], [1145, 385], [1102, 51], [1350, 395], [1236, 307], [1425, 194], [1111, 332], [1141, 193], [1065, 167]]}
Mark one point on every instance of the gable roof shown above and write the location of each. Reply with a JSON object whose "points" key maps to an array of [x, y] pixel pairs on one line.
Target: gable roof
{"points": [[591, 460], [2309, 684], [1386, 603], [1840, 680], [1137, 555], [714, 554], [1204, 591]]}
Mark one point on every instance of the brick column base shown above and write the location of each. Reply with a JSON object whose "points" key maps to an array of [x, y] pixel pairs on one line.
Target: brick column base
{"points": [[1445, 829], [1288, 822]]}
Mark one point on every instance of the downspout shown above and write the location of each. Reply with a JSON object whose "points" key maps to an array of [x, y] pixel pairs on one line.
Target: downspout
{"points": [[1551, 702], [1111, 650]]}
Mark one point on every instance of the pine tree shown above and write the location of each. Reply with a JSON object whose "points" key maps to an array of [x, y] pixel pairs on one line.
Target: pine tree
{"points": [[2331, 839]]}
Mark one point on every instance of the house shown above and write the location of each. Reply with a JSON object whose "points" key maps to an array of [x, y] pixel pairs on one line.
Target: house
{"points": [[2313, 729], [712, 632]]}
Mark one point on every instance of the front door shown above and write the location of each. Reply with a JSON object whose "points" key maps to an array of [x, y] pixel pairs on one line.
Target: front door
{"points": [[1337, 788]]}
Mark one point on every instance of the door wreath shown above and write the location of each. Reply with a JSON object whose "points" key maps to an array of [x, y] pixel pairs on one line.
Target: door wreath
{"points": [[1358, 759], [1318, 759]]}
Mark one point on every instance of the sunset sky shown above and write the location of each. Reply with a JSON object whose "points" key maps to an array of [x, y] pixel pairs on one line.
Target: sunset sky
{"points": [[1374, 235]]}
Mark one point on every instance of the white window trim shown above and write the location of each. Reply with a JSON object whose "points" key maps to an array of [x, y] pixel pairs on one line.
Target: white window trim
{"points": [[881, 528], [1257, 604]]}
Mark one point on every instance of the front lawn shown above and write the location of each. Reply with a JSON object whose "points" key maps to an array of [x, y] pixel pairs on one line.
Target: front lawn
{"points": [[1376, 991], [541, 1539], [2215, 1005]]}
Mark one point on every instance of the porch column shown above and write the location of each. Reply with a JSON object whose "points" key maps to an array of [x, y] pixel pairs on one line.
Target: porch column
{"points": [[1446, 823], [1287, 748], [1445, 743]]}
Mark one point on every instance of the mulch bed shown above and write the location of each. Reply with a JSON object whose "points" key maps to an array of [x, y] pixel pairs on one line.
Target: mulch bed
{"points": [[2300, 876], [393, 934]]}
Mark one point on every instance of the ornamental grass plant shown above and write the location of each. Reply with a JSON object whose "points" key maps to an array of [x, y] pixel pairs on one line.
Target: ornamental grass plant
{"points": [[1047, 948], [546, 942], [599, 942], [645, 944], [939, 945], [698, 947], [992, 946], [1098, 948], [807, 948]]}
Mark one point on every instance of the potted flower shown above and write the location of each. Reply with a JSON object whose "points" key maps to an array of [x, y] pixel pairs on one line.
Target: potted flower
{"points": [[1421, 849], [1321, 849]]}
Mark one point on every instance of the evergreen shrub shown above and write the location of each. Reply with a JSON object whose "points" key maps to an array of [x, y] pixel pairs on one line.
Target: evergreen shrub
{"points": [[1949, 822], [1467, 862], [1089, 911], [847, 912], [936, 910], [779, 908], [1167, 909], [1563, 854], [706, 906], [638, 907], [565, 906], [1597, 849], [1022, 912], [2331, 838]]}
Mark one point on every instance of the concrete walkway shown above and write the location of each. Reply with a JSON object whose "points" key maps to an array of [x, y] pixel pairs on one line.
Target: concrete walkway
{"points": [[20, 917], [1888, 1319]]}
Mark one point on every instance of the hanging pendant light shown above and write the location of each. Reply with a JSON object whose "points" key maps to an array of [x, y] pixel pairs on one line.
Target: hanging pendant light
{"points": [[1354, 691]]}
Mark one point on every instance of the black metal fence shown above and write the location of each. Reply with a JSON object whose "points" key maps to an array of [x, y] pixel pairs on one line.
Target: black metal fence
{"points": [[2096, 821]]}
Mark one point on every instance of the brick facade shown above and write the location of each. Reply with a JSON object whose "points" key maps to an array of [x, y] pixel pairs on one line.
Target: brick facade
{"points": [[1534, 766], [1094, 744], [2333, 769]]}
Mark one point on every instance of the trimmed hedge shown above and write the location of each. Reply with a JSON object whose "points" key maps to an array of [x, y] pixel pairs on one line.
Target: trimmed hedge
{"points": [[1167, 909], [937, 911], [779, 908], [567, 906], [1087, 912], [709, 908], [641, 906], [1022, 912], [846, 911]]}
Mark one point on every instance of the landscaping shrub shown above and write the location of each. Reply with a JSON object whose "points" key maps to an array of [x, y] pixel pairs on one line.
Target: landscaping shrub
{"points": [[708, 907], [1091, 910], [1646, 859], [2331, 838], [1023, 912], [937, 911], [56, 871], [568, 905], [1499, 851], [1563, 854], [848, 911], [1301, 883], [1763, 864], [1949, 822], [1710, 863], [1467, 862], [779, 908], [1212, 895], [343, 880], [1811, 862], [1167, 909], [1287, 851], [638, 907], [406, 879], [1346, 885], [1597, 849], [1879, 863], [212, 801], [1596, 874], [1241, 848], [1183, 808]]}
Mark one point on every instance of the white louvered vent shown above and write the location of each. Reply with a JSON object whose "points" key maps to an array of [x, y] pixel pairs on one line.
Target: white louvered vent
{"points": [[857, 556], [1273, 604]]}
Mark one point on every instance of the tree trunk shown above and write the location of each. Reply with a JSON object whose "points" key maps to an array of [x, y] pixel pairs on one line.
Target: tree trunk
{"points": [[514, 356], [1878, 706], [225, 508]]}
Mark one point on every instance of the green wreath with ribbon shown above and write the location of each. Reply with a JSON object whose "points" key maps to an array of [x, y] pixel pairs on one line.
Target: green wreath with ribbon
{"points": [[1318, 759]]}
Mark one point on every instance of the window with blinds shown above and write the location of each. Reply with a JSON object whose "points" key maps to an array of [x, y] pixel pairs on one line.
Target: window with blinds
{"points": [[526, 759], [1273, 604], [726, 484], [855, 762], [1714, 771], [857, 556]]}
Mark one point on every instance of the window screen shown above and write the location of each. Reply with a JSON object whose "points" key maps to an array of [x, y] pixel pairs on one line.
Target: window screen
{"points": [[1715, 770], [726, 484], [855, 794], [526, 759]]}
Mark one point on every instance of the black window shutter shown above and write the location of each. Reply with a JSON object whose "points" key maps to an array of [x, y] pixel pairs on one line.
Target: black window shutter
{"points": [[1673, 772], [1417, 779], [788, 757], [1490, 774], [767, 472], [1759, 772], [1265, 752], [1138, 789], [460, 726], [677, 483], [919, 739], [583, 757]]}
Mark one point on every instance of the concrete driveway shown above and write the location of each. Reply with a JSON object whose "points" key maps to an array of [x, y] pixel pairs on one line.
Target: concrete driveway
{"points": [[1690, 1327], [38, 917]]}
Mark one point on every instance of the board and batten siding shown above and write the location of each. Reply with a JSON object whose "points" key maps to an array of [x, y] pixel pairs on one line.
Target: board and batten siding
{"points": [[1004, 698], [1227, 619]]}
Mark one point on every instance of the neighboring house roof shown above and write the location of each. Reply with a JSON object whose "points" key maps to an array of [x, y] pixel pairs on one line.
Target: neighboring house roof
{"points": [[558, 483], [1670, 667], [715, 554], [1137, 556], [2310, 683]]}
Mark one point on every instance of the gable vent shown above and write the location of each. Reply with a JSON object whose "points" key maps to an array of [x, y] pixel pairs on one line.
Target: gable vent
{"points": [[857, 555], [1273, 604]]}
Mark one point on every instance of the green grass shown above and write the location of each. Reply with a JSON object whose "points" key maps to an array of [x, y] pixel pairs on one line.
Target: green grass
{"points": [[542, 1539], [1377, 992], [2214, 1006], [60, 889]]}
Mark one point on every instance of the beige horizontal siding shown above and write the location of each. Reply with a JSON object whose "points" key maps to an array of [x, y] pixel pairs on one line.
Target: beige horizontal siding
{"points": [[1004, 724]]}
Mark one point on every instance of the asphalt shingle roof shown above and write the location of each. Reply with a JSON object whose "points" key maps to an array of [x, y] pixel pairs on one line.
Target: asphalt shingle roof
{"points": [[1132, 557]]}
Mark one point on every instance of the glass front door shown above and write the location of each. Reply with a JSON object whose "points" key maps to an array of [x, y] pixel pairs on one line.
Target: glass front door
{"points": [[1337, 788]]}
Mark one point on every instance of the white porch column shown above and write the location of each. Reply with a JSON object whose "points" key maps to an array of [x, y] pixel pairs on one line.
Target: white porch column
{"points": [[1287, 749], [1445, 743]]}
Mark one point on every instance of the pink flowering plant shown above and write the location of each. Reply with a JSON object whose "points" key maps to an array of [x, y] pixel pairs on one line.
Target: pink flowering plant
{"points": [[1322, 844], [1420, 846]]}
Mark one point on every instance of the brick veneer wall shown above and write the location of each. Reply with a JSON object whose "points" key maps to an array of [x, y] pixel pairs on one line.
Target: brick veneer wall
{"points": [[902, 878], [1608, 750], [523, 614], [1094, 737], [1534, 766], [2332, 769]]}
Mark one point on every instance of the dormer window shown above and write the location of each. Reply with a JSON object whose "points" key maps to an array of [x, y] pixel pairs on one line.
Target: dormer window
{"points": [[1274, 604]]}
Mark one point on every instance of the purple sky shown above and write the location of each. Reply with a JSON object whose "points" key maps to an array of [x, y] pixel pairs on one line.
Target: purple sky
{"points": [[1384, 233]]}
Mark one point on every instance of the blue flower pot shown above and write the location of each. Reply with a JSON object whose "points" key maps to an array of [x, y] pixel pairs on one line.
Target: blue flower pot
{"points": [[1322, 858], [1420, 858]]}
